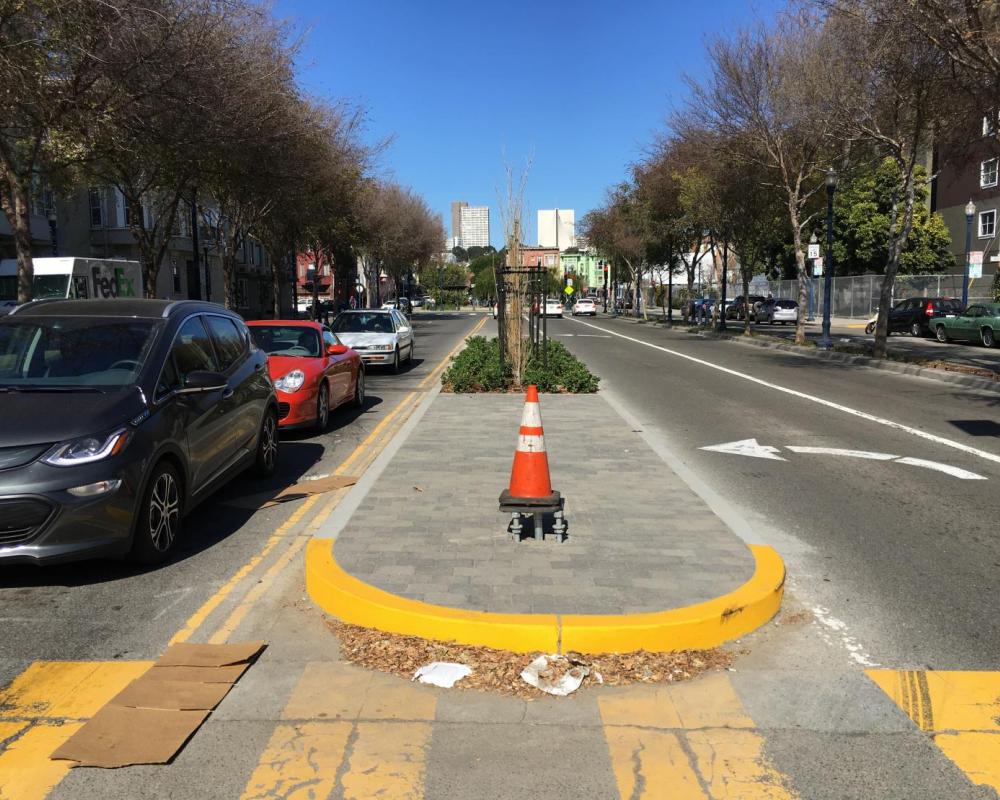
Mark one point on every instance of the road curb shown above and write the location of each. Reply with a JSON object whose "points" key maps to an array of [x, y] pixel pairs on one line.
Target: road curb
{"points": [[698, 626]]}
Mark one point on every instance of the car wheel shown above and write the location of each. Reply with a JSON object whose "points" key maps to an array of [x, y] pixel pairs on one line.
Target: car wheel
{"points": [[409, 353], [266, 463], [158, 523], [870, 328], [916, 330], [323, 407], [359, 389], [987, 337], [395, 360], [941, 334]]}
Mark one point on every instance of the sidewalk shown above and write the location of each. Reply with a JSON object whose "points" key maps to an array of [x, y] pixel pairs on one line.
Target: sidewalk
{"points": [[427, 552]]}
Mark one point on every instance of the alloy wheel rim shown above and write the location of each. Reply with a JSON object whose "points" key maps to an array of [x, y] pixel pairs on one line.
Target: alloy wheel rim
{"points": [[270, 443], [164, 512], [988, 337]]}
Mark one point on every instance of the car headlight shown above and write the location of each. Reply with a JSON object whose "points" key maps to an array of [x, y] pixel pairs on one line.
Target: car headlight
{"points": [[88, 449], [383, 347], [291, 382]]}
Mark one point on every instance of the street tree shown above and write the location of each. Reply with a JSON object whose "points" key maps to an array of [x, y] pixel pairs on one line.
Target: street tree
{"points": [[768, 95]]}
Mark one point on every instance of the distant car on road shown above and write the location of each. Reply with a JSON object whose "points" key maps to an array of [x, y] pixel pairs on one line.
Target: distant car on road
{"points": [[553, 308], [738, 309], [978, 323], [772, 311], [917, 314], [585, 305], [313, 372], [119, 416], [379, 336]]}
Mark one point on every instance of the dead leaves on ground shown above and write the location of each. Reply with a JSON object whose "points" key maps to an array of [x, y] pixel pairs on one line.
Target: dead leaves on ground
{"points": [[500, 670]]}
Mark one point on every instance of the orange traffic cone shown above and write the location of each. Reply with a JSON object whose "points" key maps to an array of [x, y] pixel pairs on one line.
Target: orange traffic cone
{"points": [[529, 476], [530, 491]]}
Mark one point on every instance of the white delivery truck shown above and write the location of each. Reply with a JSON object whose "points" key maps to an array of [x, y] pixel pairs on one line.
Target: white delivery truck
{"points": [[76, 278]]}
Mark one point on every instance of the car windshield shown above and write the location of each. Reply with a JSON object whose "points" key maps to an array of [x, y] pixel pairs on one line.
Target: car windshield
{"points": [[362, 322], [785, 303], [286, 340], [73, 352]]}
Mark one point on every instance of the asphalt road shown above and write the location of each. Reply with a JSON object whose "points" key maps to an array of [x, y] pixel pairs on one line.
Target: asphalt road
{"points": [[102, 610], [905, 557]]}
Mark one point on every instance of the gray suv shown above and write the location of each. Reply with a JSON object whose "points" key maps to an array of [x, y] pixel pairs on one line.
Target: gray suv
{"points": [[119, 416]]}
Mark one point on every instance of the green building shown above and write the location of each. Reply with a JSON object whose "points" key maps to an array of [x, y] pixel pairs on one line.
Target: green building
{"points": [[584, 266]]}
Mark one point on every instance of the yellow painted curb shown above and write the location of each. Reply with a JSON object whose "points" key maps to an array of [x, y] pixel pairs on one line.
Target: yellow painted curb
{"points": [[707, 624]]}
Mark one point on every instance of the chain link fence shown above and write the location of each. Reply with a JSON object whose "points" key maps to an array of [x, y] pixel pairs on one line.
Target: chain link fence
{"points": [[858, 295]]}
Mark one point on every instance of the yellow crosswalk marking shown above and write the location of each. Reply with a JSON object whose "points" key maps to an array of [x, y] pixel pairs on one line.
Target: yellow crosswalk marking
{"points": [[372, 728], [690, 740], [300, 762], [960, 709], [42, 708]]}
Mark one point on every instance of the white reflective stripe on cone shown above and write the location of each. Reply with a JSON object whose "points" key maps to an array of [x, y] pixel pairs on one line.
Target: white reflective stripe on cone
{"points": [[532, 416], [530, 443]]}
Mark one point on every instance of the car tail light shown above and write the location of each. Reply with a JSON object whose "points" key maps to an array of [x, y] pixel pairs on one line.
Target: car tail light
{"points": [[930, 310]]}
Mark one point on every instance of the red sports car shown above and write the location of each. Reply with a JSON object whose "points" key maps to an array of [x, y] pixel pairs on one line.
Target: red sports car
{"points": [[312, 371]]}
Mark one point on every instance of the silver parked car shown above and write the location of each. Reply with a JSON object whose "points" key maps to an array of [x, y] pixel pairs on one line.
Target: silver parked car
{"points": [[773, 311], [380, 336]]}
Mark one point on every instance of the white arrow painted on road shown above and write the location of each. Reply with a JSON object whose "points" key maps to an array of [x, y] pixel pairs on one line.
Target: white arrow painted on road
{"points": [[747, 447], [753, 449]]}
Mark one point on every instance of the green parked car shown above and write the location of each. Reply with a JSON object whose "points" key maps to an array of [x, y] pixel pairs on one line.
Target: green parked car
{"points": [[978, 323]]}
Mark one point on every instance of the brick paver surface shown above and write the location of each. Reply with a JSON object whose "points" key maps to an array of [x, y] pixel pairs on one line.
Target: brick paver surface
{"points": [[639, 538]]}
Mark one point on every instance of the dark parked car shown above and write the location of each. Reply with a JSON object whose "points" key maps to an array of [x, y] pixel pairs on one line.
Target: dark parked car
{"points": [[119, 416], [738, 309], [915, 314]]}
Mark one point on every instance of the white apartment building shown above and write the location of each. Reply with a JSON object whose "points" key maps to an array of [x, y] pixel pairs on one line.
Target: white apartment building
{"points": [[557, 228], [475, 226]]}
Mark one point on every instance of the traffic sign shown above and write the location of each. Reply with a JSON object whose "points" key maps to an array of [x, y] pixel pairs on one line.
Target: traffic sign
{"points": [[814, 251], [568, 290], [817, 267]]}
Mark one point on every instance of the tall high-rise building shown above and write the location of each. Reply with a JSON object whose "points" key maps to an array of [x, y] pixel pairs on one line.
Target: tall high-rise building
{"points": [[557, 228], [456, 221], [475, 226]]}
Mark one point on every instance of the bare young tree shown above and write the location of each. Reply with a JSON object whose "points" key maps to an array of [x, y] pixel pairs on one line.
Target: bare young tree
{"points": [[511, 201]]}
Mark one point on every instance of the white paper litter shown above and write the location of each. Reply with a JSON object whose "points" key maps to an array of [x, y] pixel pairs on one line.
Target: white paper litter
{"points": [[441, 673], [555, 674]]}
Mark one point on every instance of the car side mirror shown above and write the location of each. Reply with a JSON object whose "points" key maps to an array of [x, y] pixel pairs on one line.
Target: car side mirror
{"points": [[203, 381], [336, 349]]}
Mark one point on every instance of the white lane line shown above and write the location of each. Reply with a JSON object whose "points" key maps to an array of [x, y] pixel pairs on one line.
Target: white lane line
{"points": [[812, 398], [747, 447], [837, 451], [965, 475]]}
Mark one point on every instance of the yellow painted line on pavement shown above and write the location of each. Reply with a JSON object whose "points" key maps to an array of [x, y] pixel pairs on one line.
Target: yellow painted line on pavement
{"points": [[372, 730], [691, 740], [961, 711], [42, 708]]}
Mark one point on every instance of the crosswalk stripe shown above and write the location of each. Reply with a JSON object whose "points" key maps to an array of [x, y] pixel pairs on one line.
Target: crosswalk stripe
{"points": [[366, 733], [689, 740], [42, 708], [960, 709]]}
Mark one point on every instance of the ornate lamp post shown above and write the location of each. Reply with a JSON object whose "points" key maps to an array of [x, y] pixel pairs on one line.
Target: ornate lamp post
{"points": [[970, 213], [831, 186]]}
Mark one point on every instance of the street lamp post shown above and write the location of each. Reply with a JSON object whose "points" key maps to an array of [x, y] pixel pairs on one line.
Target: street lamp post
{"points": [[604, 269], [52, 231], [970, 213], [831, 186], [809, 317]]}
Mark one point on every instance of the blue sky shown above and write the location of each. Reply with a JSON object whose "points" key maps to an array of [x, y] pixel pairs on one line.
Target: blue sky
{"points": [[580, 87]]}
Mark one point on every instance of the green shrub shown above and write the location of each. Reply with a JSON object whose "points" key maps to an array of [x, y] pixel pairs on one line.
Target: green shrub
{"points": [[477, 369]]}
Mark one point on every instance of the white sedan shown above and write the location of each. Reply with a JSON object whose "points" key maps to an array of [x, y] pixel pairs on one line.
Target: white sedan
{"points": [[380, 337], [585, 305], [553, 308], [773, 311]]}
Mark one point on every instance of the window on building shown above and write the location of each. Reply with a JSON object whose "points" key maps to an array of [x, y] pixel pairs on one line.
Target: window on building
{"points": [[242, 293], [988, 172], [987, 224], [96, 209], [990, 124]]}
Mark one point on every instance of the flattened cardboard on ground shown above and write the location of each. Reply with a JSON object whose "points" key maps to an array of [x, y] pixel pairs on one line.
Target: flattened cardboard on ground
{"points": [[200, 674], [149, 691], [118, 737], [186, 654], [297, 491]]}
